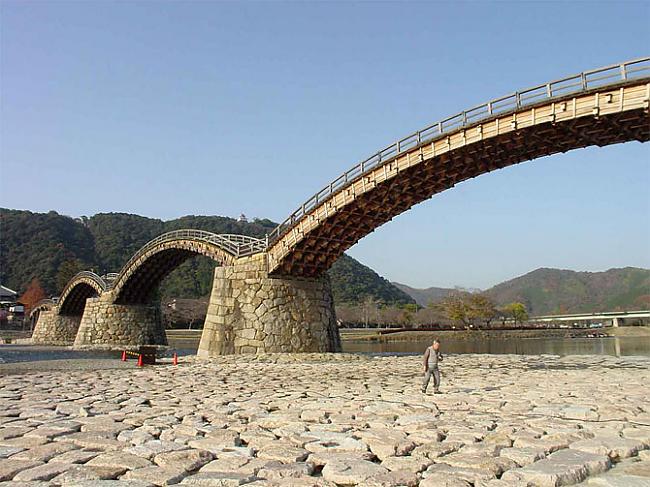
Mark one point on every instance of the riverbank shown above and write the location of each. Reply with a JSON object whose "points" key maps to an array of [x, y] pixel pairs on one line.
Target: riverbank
{"points": [[331, 419], [424, 336], [192, 337]]}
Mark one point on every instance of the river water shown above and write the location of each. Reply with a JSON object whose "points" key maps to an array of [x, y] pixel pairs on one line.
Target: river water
{"points": [[617, 346], [520, 346]]}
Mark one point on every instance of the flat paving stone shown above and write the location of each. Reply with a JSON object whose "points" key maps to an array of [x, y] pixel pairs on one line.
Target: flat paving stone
{"points": [[445, 482], [614, 447], [24, 442], [278, 470], [9, 468], [564, 467], [395, 478], [75, 456], [523, 456], [351, 471], [188, 460], [218, 479], [156, 475], [86, 473], [44, 453], [467, 474], [42, 472], [119, 459], [283, 453], [7, 451]]}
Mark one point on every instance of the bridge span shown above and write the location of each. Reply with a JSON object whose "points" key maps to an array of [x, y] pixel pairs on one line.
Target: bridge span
{"points": [[272, 294], [617, 318]]}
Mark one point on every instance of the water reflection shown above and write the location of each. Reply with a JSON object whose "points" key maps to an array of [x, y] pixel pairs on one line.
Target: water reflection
{"points": [[518, 346], [529, 346]]}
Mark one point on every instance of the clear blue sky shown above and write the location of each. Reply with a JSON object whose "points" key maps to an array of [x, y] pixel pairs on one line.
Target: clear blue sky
{"points": [[217, 108]]}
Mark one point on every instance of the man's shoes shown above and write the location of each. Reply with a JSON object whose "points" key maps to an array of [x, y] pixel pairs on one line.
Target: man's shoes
{"points": [[423, 391], [436, 391]]}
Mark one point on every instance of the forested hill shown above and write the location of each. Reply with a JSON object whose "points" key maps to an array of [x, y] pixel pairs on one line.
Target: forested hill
{"points": [[353, 283], [556, 291], [53, 247]]}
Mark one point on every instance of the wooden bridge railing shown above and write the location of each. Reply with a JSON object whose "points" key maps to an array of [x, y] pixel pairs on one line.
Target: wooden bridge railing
{"points": [[583, 82]]}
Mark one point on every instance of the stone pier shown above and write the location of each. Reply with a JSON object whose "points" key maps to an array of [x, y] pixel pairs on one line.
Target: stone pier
{"points": [[252, 312], [105, 324], [53, 328]]}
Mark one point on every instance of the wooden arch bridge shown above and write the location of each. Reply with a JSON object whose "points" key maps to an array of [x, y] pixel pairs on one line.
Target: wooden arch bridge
{"points": [[267, 292]]}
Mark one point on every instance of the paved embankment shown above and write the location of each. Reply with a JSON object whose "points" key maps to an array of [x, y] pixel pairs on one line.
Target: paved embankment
{"points": [[326, 420]]}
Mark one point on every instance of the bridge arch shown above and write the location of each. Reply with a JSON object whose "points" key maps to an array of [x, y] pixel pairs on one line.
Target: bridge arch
{"points": [[143, 273], [82, 286], [42, 305], [56, 322], [605, 106]]}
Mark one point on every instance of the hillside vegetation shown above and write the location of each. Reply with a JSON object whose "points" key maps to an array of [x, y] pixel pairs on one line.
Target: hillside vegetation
{"points": [[555, 291], [53, 247]]}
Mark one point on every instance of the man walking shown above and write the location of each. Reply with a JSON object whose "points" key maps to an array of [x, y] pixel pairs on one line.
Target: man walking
{"points": [[431, 358]]}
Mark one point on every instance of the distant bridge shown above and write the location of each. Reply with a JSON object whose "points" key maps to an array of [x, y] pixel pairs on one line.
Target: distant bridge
{"points": [[272, 295], [616, 317]]}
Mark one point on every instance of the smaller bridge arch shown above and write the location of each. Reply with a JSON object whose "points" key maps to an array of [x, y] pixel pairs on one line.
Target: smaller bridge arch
{"points": [[42, 305], [57, 322], [84, 285], [143, 273]]}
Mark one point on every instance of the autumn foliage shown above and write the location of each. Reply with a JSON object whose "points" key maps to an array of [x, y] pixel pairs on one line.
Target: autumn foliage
{"points": [[32, 295]]}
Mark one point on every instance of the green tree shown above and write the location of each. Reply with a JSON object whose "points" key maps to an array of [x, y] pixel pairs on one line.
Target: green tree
{"points": [[517, 311], [482, 308], [466, 309], [455, 308]]}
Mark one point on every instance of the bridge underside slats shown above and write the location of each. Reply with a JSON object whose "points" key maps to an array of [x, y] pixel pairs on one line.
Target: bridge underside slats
{"points": [[75, 300], [144, 281], [319, 248]]}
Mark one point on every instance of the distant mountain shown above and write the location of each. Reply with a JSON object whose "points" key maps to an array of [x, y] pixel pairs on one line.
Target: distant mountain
{"points": [[424, 297], [555, 291], [53, 247]]}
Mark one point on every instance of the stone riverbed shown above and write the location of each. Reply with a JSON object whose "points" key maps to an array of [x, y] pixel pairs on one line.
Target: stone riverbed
{"points": [[330, 420]]}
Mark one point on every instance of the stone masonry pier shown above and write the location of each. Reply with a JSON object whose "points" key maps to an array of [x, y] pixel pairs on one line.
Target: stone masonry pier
{"points": [[105, 324], [251, 312], [55, 329]]}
